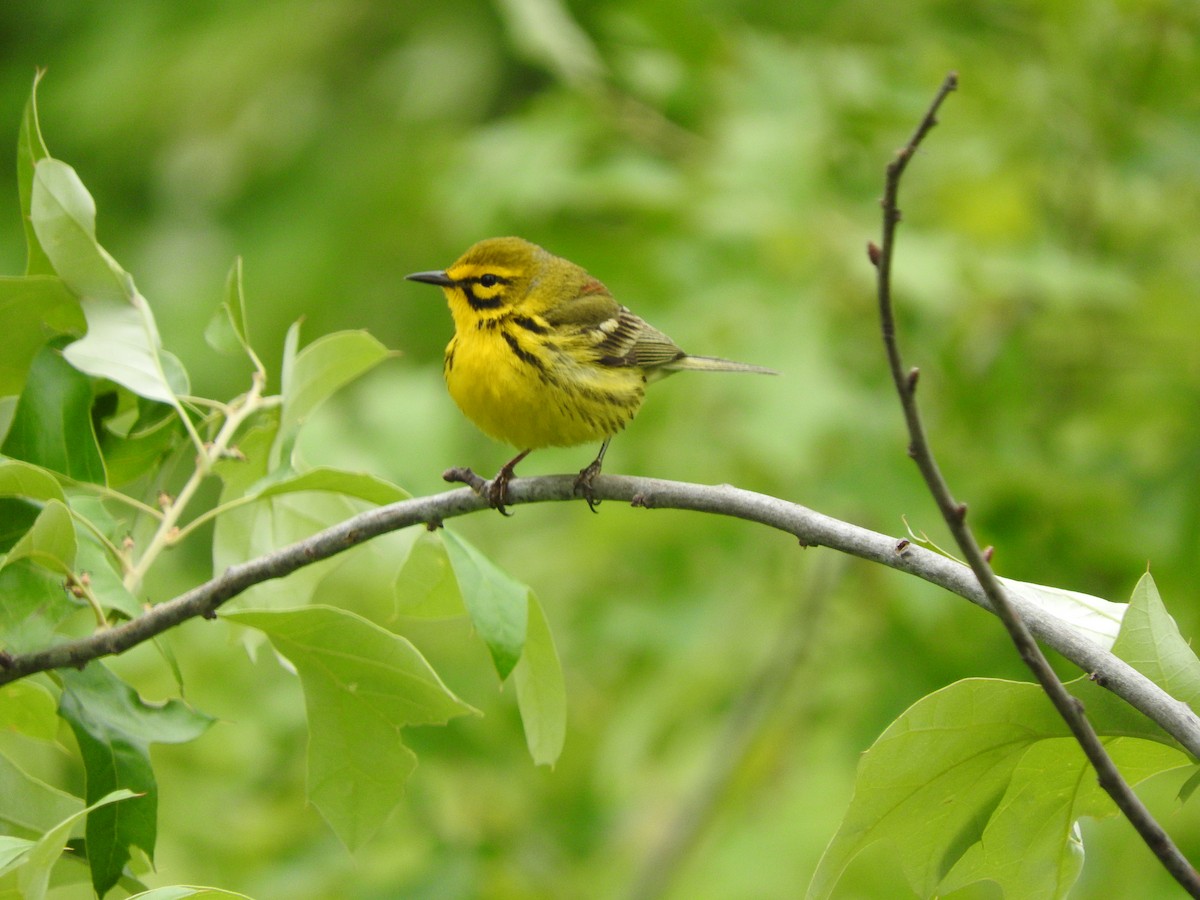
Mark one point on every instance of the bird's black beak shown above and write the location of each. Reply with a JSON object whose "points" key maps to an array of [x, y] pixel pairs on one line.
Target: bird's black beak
{"points": [[441, 279]]}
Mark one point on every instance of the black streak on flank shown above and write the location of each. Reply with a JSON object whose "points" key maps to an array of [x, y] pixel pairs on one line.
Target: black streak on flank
{"points": [[522, 354], [530, 324]]}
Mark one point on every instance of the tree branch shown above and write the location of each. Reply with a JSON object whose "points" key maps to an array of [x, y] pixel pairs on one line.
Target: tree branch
{"points": [[809, 527], [955, 514]]}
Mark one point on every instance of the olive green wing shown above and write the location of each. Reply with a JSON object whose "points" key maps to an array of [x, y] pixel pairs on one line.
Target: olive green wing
{"points": [[618, 337]]}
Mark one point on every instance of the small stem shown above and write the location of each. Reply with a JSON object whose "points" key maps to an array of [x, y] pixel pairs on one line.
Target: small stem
{"points": [[167, 532]]}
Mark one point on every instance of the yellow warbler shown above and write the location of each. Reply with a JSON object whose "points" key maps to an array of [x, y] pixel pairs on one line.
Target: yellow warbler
{"points": [[543, 356]]}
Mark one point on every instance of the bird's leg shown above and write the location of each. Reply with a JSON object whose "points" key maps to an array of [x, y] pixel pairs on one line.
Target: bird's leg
{"points": [[497, 488], [583, 484]]}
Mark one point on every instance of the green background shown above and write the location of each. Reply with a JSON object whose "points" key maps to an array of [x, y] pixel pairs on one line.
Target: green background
{"points": [[718, 165]]}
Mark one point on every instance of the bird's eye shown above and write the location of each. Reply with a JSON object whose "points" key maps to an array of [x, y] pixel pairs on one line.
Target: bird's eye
{"points": [[488, 280]]}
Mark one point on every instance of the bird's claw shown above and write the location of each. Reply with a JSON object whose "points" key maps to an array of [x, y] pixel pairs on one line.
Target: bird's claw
{"points": [[583, 484], [497, 491]]}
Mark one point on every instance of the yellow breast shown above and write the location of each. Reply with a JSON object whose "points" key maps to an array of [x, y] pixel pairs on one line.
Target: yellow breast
{"points": [[528, 389]]}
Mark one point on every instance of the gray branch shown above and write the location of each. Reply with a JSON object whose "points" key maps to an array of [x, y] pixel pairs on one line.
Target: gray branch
{"points": [[811, 528]]}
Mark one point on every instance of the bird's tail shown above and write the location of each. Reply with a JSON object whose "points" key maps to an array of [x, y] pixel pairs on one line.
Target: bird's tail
{"points": [[714, 364]]}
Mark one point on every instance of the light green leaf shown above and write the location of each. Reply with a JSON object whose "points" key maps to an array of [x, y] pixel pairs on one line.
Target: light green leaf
{"points": [[31, 150], [13, 852], [959, 762], [27, 707], [52, 426], [273, 522], [33, 309], [497, 603], [50, 543], [183, 891], [318, 371], [34, 876], [1097, 619], [541, 691], [362, 685], [1031, 846], [108, 585], [425, 586], [30, 805], [1150, 642], [374, 490], [122, 342], [227, 331], [35, 604], [21, 479]]}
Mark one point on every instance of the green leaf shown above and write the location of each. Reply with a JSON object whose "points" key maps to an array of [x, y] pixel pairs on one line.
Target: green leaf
{"points": [[183, 891], [35, 874], [20, 479], [1095, 618], [954, 771], [1150, 642], [31, 149], [31, 806], [316, 373], [114, 728], [35, 604], [541, 691], [374, 490], [27, 707], [497, 603], [1031, 846], [227, 331], [50, 543], [52, 426], [273, 522], [13, 852], [425, 586], [362, 684], [122, 342], [33, 310], [108, 585]]}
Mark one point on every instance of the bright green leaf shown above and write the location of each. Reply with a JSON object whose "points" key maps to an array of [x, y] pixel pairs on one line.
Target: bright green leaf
{"points": [[184, 891], [50, 543], [35, 874], [1095, 618], [35, 604], [1031, 845], [316, 373], [27, 707], [1150, 642], [108, 585], [30, 805], [114, 728], [31, 150], [13, 852], [497, 603], [20, 479], [541, 691], [52, 427], [122, 342], [362, 685], [227, 331], [33, 309], [425, 586], [361, 485], [959, 762]]}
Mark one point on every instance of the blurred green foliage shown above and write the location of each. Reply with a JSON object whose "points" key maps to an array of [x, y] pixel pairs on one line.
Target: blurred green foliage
{"points": [[718, 165]]}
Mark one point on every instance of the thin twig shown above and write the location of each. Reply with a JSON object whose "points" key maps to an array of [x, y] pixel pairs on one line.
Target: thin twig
{"points": [[955, 514], [811, 528]]}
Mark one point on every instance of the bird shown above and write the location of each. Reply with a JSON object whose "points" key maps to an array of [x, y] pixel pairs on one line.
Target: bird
{"points": [[544, 356]]}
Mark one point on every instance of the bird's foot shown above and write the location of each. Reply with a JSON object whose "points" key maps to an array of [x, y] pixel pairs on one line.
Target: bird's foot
{"points": [[583, 484]]}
